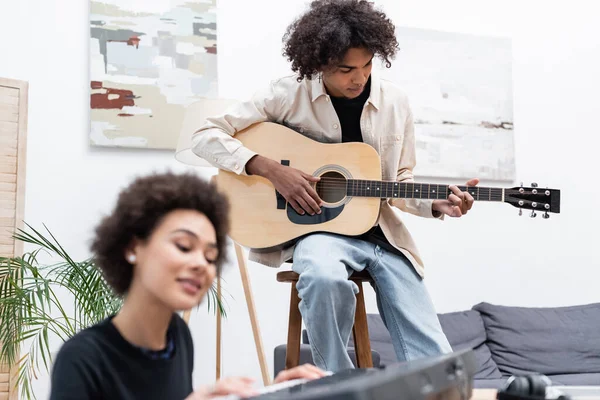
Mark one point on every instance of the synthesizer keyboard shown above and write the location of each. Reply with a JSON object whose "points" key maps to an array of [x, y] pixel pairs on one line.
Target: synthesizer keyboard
{"points": [[422, 379]]}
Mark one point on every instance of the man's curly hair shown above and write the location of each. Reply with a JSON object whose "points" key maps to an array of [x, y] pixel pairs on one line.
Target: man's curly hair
{"points": [[140, 209], [330, 28]]}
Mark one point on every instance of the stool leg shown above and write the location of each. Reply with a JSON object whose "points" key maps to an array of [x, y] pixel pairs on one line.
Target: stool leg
{"points": [[292, 354], [360, 330]]}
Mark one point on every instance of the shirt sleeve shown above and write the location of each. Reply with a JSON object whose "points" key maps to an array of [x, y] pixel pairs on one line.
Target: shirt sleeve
{"points": [[215, 140], [72, 374], [408, 160]]}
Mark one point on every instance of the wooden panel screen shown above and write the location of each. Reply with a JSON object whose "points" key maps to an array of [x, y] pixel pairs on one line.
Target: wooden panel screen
{"points": [[13, 128]]}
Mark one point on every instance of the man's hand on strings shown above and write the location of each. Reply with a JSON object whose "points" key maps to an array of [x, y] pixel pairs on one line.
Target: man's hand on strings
{"points": [[458, 202]]}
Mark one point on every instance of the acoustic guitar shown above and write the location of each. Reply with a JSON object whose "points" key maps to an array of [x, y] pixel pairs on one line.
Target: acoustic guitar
{"points": [[350, 187]]}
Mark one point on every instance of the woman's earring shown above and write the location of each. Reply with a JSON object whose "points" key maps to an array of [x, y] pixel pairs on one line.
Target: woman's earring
{"points": [[131, 258]]}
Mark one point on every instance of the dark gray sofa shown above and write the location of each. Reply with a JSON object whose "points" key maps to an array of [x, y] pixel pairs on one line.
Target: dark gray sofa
{"points": [[560, 342]]}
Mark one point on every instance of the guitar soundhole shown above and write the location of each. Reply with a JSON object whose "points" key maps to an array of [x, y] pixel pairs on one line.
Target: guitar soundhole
{"points": [[332, 187]]}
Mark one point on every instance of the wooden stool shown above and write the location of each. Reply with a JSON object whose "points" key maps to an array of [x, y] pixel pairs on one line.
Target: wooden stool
{"points": [[360, 330]]}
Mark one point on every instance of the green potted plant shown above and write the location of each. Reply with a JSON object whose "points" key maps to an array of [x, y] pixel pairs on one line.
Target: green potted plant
{"points": [[39, 303]]}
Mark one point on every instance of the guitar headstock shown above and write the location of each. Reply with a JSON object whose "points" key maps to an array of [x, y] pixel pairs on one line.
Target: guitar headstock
{"points": [[534, 199]]}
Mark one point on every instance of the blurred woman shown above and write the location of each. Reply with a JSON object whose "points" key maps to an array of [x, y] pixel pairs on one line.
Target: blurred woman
{"points": [[160, 248]]}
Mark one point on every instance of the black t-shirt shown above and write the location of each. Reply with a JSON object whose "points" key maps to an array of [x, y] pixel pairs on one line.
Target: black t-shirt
{"points": [[98, 363], [349, 112]]}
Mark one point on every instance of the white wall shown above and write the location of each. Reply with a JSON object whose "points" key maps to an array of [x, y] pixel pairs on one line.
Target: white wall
{"points": [[490, 255]]}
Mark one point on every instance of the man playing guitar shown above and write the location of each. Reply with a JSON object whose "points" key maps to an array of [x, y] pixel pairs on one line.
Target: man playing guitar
{"points": [[333, 96]]}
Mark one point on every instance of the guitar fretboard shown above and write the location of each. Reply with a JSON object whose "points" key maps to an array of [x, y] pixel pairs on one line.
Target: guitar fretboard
{"points": [[410, 190]]}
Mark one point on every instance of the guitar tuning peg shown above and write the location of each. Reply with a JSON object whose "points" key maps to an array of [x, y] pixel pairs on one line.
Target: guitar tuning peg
{"points": [[533, 184], [533, 214], [520, 212], [546, 215]]}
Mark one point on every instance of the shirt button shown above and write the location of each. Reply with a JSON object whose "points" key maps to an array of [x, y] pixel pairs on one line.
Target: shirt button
{"points": [[327, 98], [236, 166], [398, 137], [335, 126]]}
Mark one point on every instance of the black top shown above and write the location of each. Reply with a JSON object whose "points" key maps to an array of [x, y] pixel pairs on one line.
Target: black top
{"points": [[98, 363], [349, 112]]}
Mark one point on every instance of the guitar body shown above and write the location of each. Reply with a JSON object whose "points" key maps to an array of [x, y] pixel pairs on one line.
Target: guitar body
{"points": [[262, 220]]}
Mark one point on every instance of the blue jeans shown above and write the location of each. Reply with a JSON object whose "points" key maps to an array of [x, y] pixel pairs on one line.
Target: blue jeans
{"points": [[327, 299]]}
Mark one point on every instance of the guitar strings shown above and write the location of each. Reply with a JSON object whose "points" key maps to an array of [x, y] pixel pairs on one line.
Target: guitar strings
{"points": [[328, 185], [343, 181], [402, 190], [402, 186], [412, 194]]}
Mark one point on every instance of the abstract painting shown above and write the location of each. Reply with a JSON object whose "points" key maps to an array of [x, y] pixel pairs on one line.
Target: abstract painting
{"points": [[148, 61], [460, 90]]}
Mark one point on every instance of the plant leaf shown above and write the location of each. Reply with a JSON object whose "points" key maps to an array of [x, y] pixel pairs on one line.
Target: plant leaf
{"points": [[32, 314]]}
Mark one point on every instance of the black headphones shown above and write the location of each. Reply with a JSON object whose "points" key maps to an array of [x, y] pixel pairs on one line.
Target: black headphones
{"points": [[527, 387]]}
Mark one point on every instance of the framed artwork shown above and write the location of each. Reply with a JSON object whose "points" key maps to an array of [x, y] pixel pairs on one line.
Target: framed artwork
{"points": [[459, 87], [148, 61]]}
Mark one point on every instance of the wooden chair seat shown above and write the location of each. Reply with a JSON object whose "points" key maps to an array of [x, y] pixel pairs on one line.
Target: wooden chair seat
{"points": [[360, 330], [291, 276]]}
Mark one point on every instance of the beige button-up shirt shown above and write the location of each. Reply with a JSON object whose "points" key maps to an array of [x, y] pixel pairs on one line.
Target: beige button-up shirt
{"points": [[386, 124]]}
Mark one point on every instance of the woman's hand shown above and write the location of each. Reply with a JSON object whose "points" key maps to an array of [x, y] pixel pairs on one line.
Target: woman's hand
{"points": [[306, 371], [239, 386], [244, 387]]}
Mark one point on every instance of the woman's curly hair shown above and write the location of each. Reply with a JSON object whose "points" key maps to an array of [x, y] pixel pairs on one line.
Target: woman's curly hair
{"points": [[139, 210], [324, 34]]}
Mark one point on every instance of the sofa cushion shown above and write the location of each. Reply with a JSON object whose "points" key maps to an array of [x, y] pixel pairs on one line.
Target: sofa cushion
{"points": [[489, 383], [465, 329], [576, 379], [551, 341]]}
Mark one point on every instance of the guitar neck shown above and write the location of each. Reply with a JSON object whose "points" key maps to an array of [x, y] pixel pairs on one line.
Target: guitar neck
{"points": [[413, 190]]}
